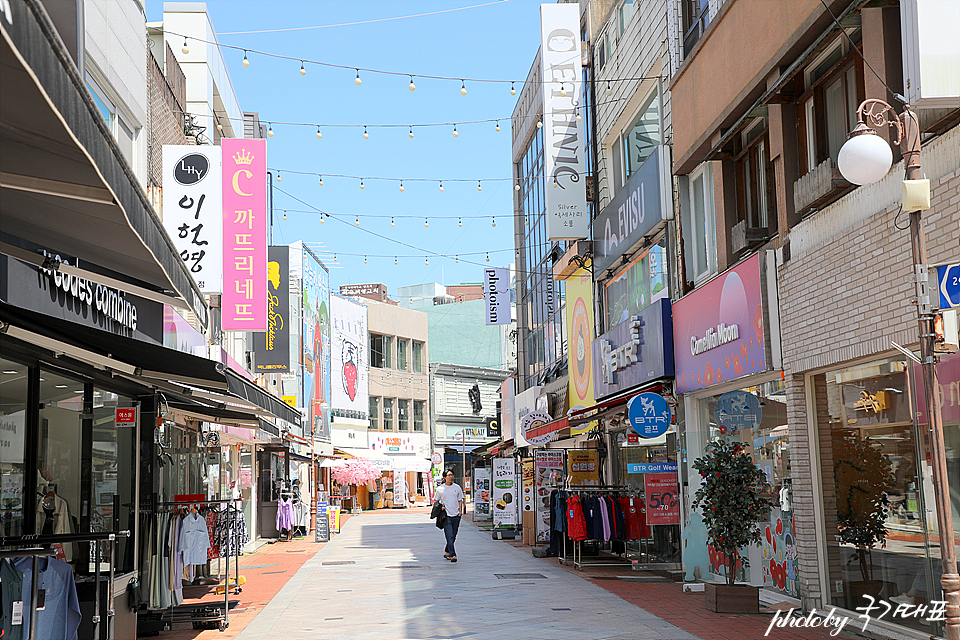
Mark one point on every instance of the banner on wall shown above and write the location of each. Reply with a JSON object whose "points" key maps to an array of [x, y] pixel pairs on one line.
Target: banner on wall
{"points": [[481, 493], [272, 348], [244, 301], [719, 329], [504, 496], [316, 344], [563, 137], [662, 495], [548, 475], [584, 467], [496, 291], [580, 323], [351, 377], [192, 211]]}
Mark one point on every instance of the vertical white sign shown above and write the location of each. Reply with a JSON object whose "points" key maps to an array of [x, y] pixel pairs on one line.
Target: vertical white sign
{"points": [[496, 291], [564, 146], [505, 495], [349, 370], [193, 211]]}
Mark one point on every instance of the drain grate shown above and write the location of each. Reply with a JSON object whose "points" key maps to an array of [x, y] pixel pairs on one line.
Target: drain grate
{"points": [[408, 566], [331, 563], [519, 576], [561, 609]]}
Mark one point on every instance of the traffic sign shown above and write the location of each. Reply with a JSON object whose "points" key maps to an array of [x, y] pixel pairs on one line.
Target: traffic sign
{"points": [[948, 284], [436, 458], [649, 415]]}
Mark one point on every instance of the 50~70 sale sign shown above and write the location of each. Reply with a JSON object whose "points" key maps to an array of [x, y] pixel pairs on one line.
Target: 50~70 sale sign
{"points": [[662, 494]]}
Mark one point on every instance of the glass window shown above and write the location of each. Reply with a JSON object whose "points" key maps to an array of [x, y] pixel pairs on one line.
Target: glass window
{"points": [[14, 378], [418, 406], [374, 413], [402, 354], [381, 355], [418, 357], [627, 9], [388, 414], [698, 229], [642, 136], [403, 413]]}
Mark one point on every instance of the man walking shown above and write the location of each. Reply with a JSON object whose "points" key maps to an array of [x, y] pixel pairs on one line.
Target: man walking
{"points": [[451, 497]]}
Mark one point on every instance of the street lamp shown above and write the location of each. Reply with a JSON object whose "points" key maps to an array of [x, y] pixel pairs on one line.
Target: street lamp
{"points": [[863, 159]]}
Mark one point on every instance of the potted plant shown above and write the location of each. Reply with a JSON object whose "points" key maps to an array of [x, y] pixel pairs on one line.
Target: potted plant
{"points": [[732, 501], [861, 473]]}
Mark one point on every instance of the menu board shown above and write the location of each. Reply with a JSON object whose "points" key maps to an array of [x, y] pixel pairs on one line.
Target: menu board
{"points": [[504, 492], [548, 475], [322, 532], [526, 485], [481, 494]]}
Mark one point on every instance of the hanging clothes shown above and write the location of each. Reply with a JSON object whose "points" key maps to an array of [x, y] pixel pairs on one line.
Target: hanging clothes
{"points": [[213, 550], [301, 515], [604, 532], [284, 515], [194, 539], [11, 590], [230, 533], [60, 616], [576, 524], [56, 520]]}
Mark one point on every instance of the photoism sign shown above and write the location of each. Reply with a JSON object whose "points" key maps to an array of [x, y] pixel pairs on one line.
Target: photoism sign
{"points": [[496, 290]]}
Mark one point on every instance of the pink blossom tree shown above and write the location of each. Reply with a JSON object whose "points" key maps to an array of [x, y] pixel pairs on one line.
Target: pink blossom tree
{"points": [[356, 471]]}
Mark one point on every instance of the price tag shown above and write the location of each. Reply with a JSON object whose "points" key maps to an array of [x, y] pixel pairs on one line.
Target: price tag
{"points": [[17, 613], [41, 599]]}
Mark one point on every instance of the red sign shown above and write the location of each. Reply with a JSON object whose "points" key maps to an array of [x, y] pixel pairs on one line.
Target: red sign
{"points": [[662, 495], [633, 438], [127, 417]]}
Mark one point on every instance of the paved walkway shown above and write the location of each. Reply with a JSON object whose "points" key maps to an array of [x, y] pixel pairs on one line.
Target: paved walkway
{"points": [[401, 588]]}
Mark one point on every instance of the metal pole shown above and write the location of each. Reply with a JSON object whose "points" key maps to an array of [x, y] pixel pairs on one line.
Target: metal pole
{"points": [[96, 591], [950, 580], [33, 597], [464, 458], [111, 620]]}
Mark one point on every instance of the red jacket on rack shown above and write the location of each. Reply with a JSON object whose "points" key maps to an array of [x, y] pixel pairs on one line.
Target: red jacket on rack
{"points": [[576, 525]]}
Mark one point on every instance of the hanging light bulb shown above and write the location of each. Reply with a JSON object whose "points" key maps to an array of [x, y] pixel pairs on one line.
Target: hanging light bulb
{"points": [[335, 257], [426, 223], [321, 218], [219, 126], [459, 222], [364, 259], [516, 187], [278, 176], [513, 91], [411, 132], [458, 259], [366, 136], [185, 48], [563, 90], [413, 87], [319, 135], [555, 183], [493, 221], [441, 186], [488, 257], [609, 89], [401, 186], [303, 70], [395, 261], [498, 125], [357, 81], [321, 181], [539, 122], [361, 183], [284, 216], [526, 221], [357, 221], [463, 88], [392, 223], [426, 262], [455, 134], [479, 188], [270, 131], [245, 62], [579, 117]]}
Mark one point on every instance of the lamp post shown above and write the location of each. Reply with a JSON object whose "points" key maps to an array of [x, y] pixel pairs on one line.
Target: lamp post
{"points": [[863, 159]]}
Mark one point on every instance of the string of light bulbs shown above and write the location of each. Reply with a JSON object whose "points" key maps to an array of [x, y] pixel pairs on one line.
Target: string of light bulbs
{"points": [[247, 51]]}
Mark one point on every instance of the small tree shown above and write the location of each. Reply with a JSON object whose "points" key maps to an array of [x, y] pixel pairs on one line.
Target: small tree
{"points": [[731, 500]]}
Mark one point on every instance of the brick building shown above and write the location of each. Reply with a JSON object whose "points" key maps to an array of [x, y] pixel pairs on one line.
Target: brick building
{"points": [[796, 283]]}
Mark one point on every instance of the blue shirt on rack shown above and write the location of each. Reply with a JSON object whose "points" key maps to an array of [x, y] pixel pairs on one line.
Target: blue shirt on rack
{"points": [[60, 616]]}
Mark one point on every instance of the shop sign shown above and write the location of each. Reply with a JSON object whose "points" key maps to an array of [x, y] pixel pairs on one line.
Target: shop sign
{"points": [[662, 495], [481, 493], [548, 475], [652, 467], [532, 421], [272, 348], [719, 329], [192, 211], [315, 341], [649, 415], [948, 284], [322, 524], [634, 352], [244, 302], [11, 451], [392, 444], [633, 213], [580, 336], [126, 417], [349, 371], [737, 410], [504, 492], [564, 145], [492, 426], [496, 291], [584, 467]]}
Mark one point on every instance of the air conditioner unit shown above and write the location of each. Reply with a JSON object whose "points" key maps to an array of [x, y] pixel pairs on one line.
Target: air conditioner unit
{"points": [[742, 236]]}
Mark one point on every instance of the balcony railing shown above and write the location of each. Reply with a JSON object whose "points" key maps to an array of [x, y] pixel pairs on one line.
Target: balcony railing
{"points": [[743, 237]]}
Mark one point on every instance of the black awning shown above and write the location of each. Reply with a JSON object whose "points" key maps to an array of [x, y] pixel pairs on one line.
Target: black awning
{"points": [[64, 182], [152, 361]]}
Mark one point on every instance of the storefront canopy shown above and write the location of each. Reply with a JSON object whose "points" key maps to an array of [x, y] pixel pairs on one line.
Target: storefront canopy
{"points": [[205, 386], [64, 184]]}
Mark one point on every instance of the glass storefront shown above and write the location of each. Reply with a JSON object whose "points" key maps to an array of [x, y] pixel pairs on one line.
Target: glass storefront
{"points": [[878, 494], [13, 404]]}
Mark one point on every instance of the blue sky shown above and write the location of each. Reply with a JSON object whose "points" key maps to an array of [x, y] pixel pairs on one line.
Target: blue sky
{"points": [[496, 41]]}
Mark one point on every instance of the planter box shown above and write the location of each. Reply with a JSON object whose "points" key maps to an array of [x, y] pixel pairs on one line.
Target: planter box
{"points": [[736, 598]]}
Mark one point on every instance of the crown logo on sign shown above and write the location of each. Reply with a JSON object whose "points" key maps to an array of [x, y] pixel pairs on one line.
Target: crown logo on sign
{"points": [[244, 157]]}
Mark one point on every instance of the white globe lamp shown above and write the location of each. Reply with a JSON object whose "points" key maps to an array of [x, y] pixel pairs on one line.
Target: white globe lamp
{"points": [[866, 157]]}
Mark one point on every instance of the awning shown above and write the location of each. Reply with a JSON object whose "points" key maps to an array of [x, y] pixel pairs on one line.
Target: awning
{"points": [[331, 463], [614, 404], [549, 427], [204, 385], [64, 183]]}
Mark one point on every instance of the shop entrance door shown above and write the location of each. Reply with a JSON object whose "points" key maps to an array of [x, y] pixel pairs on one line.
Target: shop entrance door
{"points": [[274, 473]]}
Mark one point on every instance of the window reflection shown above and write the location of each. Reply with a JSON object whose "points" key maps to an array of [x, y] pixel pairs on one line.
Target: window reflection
{"points": [[13, 404]]}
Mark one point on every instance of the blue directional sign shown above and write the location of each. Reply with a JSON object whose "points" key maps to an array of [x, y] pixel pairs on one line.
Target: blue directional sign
{"points": [[649, 415], [737, 410], [948, 284]]}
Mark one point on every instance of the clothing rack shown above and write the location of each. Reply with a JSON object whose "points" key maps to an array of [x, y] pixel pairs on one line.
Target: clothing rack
{"points": [[577, 560], [32, 549], [226, 576]]}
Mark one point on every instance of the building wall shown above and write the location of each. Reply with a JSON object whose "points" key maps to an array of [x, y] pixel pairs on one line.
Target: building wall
{"points": [[165, 120], [465, 292], [452, 409], [459, 334]]}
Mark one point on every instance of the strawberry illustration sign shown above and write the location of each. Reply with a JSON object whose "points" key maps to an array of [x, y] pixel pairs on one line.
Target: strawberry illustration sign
{"points": [[349, 357]]}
